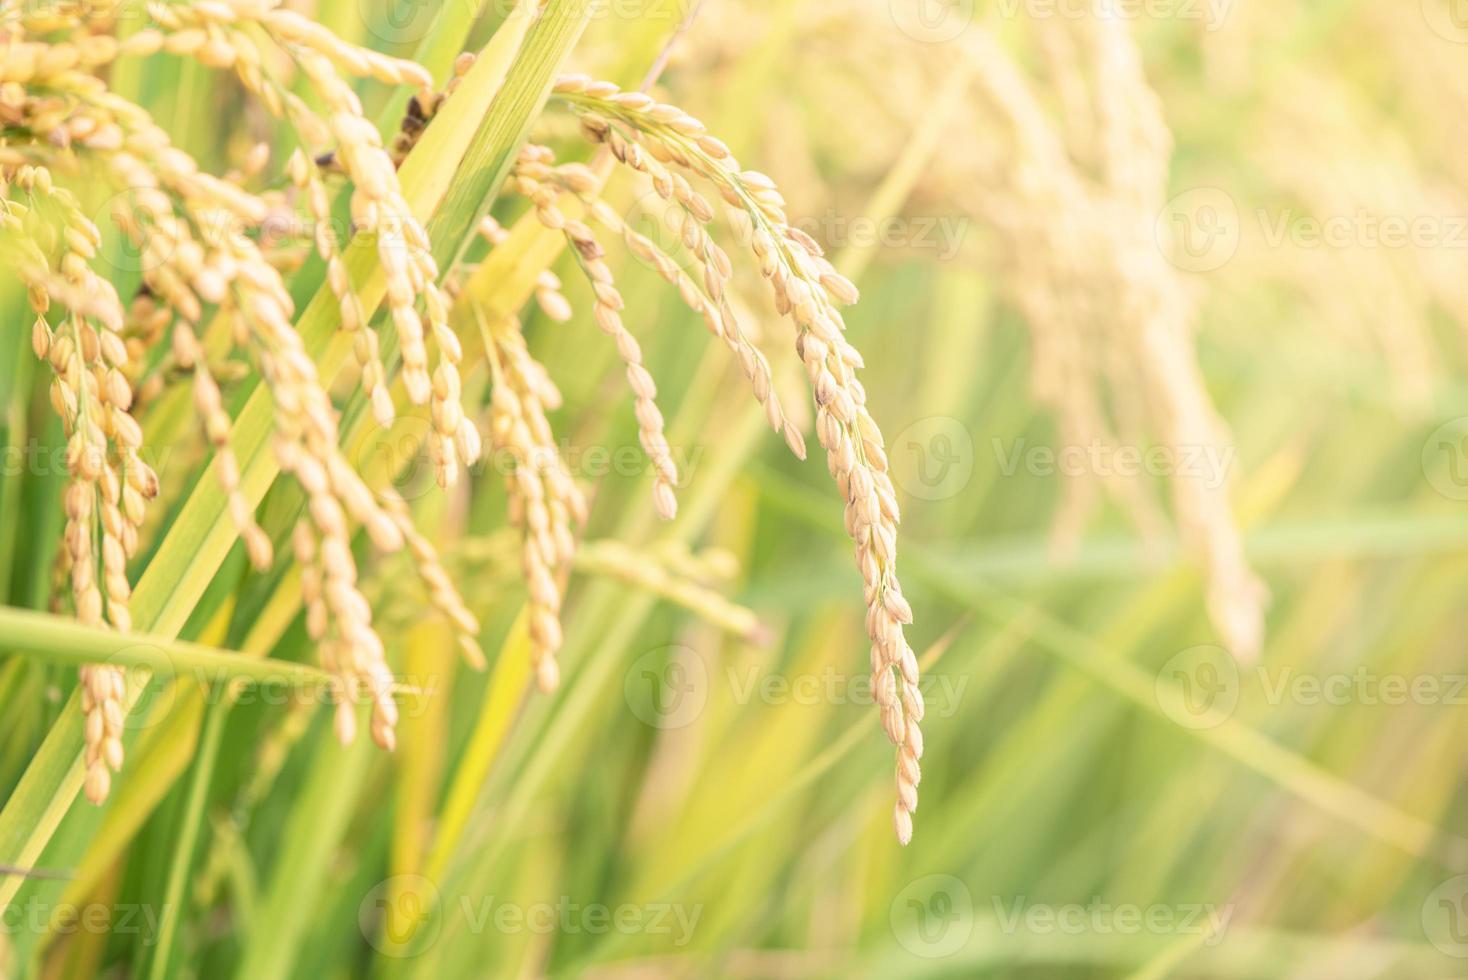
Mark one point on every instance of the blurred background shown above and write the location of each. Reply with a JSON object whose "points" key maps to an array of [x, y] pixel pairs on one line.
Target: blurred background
{"points": [[1163, 310]]}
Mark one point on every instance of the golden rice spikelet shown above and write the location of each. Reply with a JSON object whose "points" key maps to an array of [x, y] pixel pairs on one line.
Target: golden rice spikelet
{"points": [[104, 502], [195, 265], [545, 502], [808, 289], [530, 174], [1111, 318]]}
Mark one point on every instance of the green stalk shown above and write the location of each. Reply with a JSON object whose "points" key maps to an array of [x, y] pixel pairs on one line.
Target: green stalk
{"points": [[310, 840], [60, 639], [176, 896]]}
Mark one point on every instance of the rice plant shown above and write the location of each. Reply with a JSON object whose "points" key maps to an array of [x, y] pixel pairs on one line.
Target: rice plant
{"points": [[355, 385]]}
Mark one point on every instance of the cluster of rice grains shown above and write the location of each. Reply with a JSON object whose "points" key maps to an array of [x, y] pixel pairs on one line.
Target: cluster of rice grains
{"points": [[205, 277], [1062, 160], [544, 499], [209, 281], [51, 242], [670, 147], [1076, 202]]}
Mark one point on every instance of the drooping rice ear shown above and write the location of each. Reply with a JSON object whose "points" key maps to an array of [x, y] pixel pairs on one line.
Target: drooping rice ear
{"points": [[806, 288]]}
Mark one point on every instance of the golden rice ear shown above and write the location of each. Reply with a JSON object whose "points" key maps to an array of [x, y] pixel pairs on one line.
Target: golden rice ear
{"points": [[707, 299], [677, 577], [1144, 371], [531, 174], [104, 502], [441, 591], [213, 33], [808, 289], [192, 264], [544, 501]]}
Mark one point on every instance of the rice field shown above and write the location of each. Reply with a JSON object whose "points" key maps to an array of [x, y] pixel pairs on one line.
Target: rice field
{"points": [[703, 488]]}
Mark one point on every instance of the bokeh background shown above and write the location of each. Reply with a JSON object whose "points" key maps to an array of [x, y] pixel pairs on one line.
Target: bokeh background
{"points": [[1163, 310]]}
